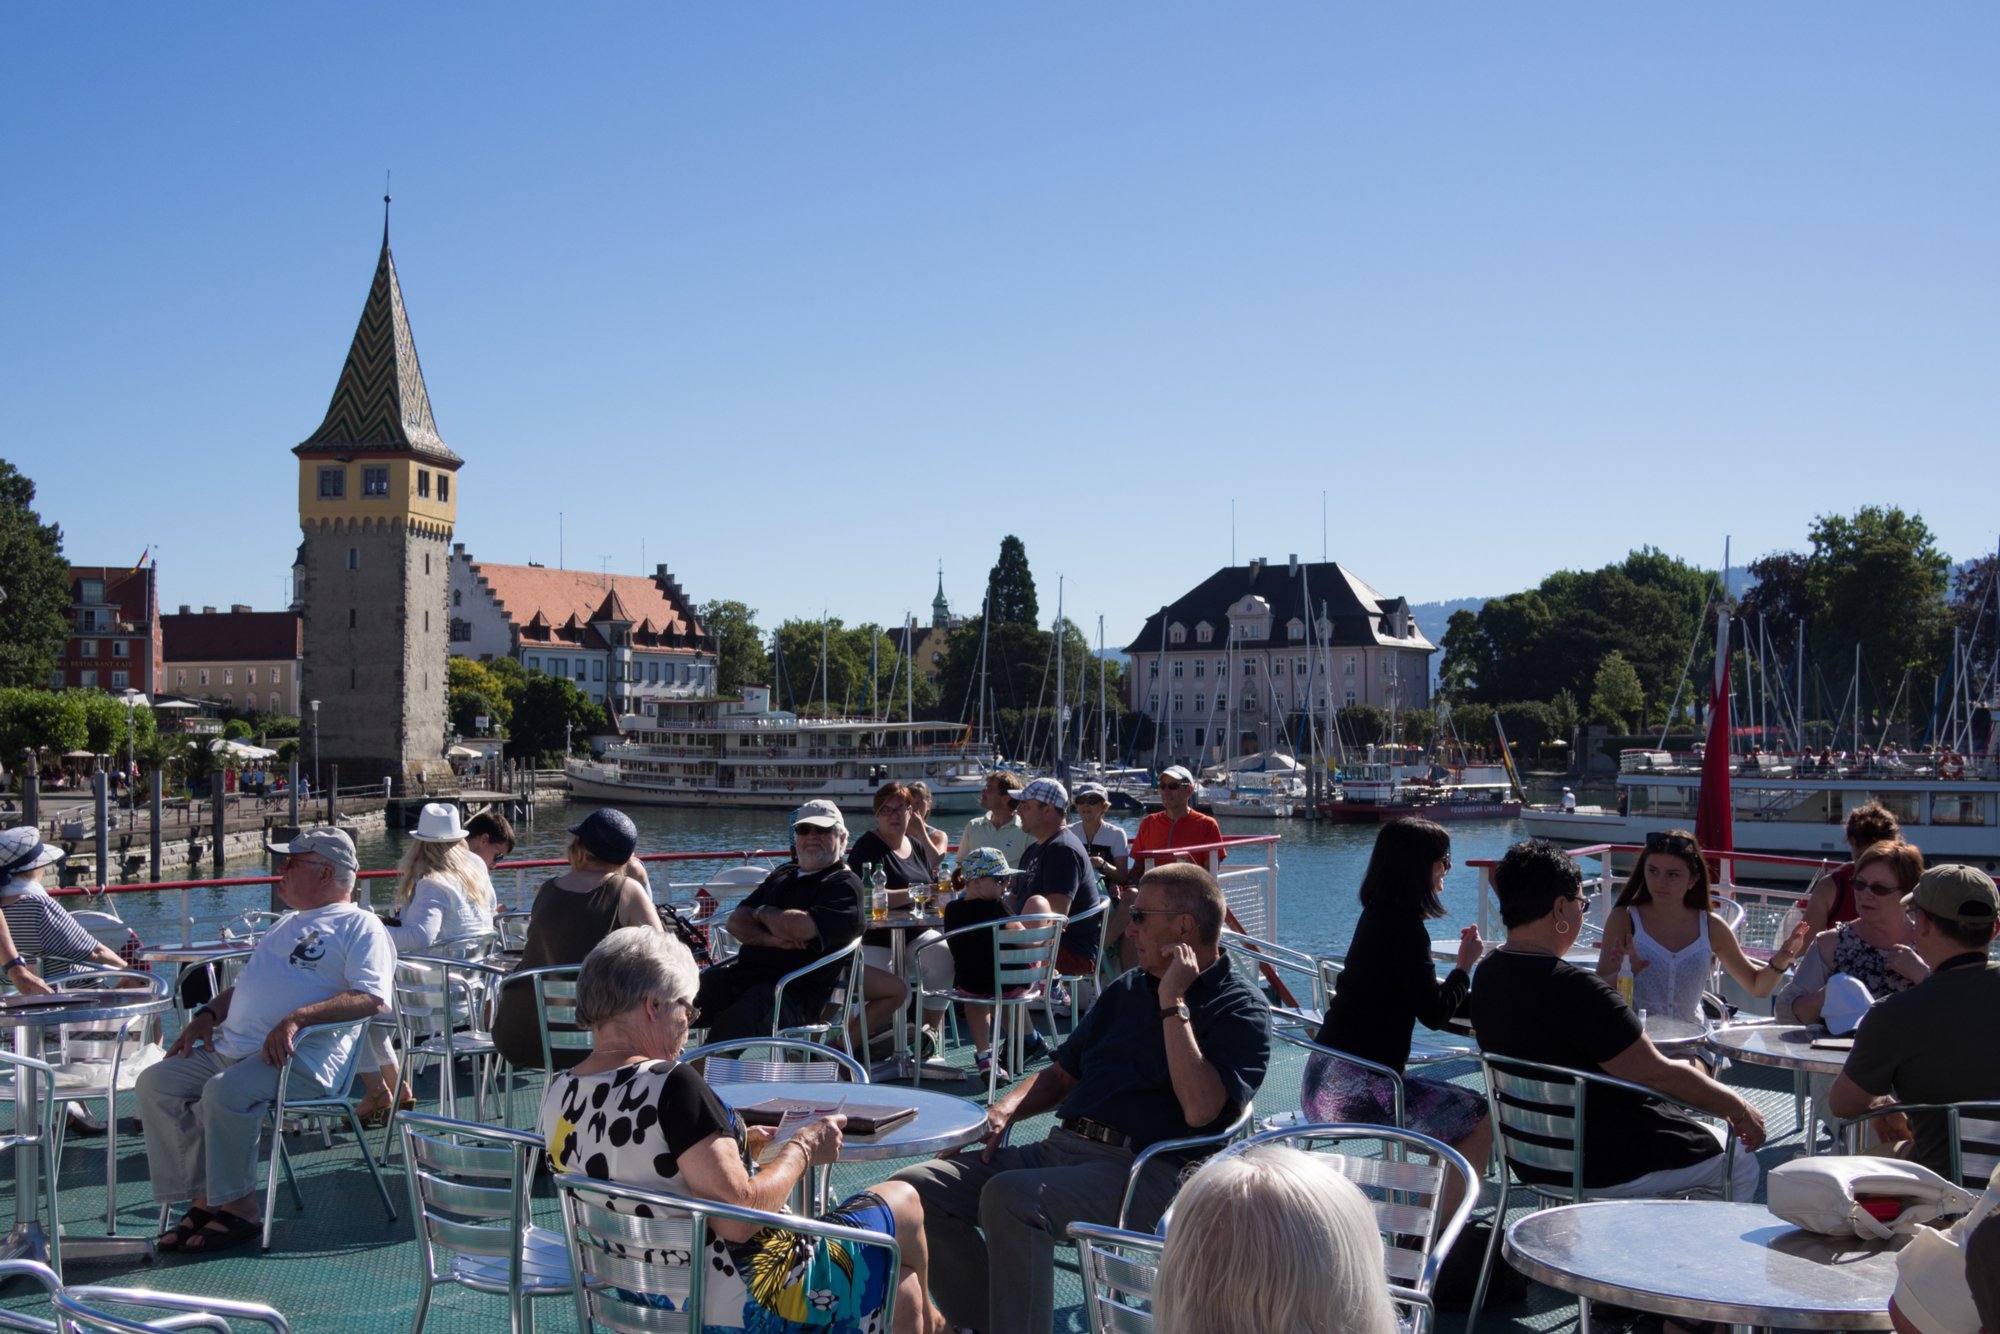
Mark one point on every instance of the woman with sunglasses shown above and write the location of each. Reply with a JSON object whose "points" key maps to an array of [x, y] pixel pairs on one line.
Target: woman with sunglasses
{"points": [[1665, 922], [1877, 947], [1390, 983]]}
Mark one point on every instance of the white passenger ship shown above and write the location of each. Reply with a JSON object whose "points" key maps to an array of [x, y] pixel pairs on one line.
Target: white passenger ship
{"points": [[1793, 807], [743, 754]]}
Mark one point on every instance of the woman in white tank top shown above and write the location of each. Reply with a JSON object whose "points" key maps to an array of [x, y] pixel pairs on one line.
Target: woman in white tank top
{"points": [[1665, 919]]}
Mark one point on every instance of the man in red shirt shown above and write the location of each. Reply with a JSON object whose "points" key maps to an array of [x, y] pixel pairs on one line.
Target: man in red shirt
{"points": [[1178, 826]]}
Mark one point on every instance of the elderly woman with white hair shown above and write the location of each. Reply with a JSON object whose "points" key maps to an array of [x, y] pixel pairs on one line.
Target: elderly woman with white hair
{"points": [[633, 1114], [1272, 1241]]}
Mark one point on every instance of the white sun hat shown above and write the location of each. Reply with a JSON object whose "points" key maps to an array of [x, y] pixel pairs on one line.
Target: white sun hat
{"points": [[438, 823]]}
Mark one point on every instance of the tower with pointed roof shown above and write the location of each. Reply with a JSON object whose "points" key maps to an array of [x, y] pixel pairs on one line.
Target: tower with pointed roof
{"points": [[378, 499], [940, 609]]}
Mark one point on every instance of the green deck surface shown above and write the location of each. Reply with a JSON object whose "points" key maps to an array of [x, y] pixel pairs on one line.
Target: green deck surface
{"points": [[342, 1265]]}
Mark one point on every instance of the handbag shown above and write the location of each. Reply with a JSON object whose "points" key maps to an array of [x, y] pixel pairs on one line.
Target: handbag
{"points": [[1931, 1289], [1825, 1195]]}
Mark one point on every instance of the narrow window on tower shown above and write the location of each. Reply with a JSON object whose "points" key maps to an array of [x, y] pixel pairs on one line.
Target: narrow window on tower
{"points": [[353, 678], [350, 618], [424, 483], [333, 483], [444, 487], [374, 481], [354, 558]]}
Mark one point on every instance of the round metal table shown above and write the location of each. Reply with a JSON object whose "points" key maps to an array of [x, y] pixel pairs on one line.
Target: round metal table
{"points": [[1786, 1046], [1669, 1033], [1706, 1260], [942, 1122], [199, 952], [29, 1017]]}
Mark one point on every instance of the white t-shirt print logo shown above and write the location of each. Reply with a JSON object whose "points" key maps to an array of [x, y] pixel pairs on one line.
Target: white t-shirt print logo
{"points": [[308, 952]]}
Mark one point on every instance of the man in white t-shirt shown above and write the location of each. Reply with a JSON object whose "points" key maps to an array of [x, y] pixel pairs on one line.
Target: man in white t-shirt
{"points": [[203, 1107]]}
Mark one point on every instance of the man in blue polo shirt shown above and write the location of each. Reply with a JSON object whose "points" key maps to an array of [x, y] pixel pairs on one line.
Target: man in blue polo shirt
{"points": [[1176, 1047]]}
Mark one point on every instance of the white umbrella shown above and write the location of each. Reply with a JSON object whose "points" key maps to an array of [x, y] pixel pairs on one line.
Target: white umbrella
{"points": [[464, 753], [241, 750]]}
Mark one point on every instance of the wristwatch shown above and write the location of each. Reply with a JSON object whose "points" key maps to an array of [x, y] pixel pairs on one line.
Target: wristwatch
{"points": [[16, 962], [1178, 1010]]}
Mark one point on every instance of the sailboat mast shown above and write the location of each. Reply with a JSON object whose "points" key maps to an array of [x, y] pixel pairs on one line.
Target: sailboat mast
{"points": [[1059, 676], [985, 628], [1103, 714]]}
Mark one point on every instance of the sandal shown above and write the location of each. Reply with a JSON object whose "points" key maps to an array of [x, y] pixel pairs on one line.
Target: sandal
{"points": [[374, 1115], [175, 1237], [223, 1232]]}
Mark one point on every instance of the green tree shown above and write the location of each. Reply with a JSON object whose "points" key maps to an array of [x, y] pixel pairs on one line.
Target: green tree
{"points": [[1781, 596], [740, 657], [546, 704], [473, 691], [48, 722], [1362, 725], [1616, 697], [1010, 587], [34, 579], [1466, 651], [1878, 580], [111, 724]]}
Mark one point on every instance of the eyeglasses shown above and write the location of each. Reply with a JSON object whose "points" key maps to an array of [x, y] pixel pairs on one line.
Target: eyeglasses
{"points": [[1446, 859], [1139, 915], [1671, 843], [693, 1014], [894, 810], [808, 830], [1877, 886], [1582, 901]]}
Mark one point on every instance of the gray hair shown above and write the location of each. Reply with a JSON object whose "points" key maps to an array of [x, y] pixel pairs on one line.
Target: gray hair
{"points": [[1195, 892], [1246, 1226], [629, 965]]}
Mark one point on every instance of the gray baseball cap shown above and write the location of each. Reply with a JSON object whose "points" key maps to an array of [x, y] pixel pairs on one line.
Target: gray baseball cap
{"points": [[324, 841]]}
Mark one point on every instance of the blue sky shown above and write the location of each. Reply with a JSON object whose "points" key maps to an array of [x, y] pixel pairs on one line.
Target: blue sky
{"points": [[804, 299]]}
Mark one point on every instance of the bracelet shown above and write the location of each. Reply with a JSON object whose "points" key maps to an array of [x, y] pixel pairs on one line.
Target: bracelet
{"points": [[16, 962]]}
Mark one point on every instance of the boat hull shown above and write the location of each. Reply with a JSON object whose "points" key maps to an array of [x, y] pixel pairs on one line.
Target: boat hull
{"points": [[1361, 812], [849, 796]]}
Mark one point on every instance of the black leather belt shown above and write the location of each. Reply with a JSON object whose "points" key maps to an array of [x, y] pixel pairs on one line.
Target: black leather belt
{"points": [[1103, 1134]]}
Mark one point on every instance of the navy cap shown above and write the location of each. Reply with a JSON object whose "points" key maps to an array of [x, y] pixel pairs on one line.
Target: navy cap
{"points": [[608, 835]]}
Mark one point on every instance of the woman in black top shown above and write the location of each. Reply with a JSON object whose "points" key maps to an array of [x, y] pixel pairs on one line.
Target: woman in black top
{"points": [[1388, 984], [905, 861]]}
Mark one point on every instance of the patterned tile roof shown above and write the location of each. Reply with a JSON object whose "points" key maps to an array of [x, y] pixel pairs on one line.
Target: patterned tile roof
{"points": [[380, 403], [562, 604], [1360, 616]]}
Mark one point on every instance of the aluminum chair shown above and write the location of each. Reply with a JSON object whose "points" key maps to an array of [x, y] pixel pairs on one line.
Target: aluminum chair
{"points": [[1972, 1129], [85, 1310], [1074, 983], [816, 1063], [554, 990], [441, 1015], [338, 1102], [647, 1272], [1300, 1117], [472, 947], [1193, 1144], [1024, 960], [1255, 958], [513, 930], [1404, 1192], [1538, 1121], [1120, 1270], [95, 1060], [216, 974], [1423, 1051], [843, 1008], [470, 1195], [42, 1137]]}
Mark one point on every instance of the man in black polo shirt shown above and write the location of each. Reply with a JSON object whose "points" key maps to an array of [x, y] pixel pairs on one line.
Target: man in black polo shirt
{"points": [[804, 910], [1934, 1043], [1176, 1047]]}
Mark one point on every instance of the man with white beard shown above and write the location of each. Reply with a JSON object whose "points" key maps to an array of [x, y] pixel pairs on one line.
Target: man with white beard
{"points": [[804, 910]]}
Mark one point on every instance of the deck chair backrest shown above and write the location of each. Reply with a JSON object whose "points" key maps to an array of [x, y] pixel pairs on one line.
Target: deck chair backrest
{"points": [[468, 1187], [781, 1060], [1027, 957], [1978, 1142], [1538, 1118], [624, 1261], [1260, 961], [1120, 1271], [435, 999]]}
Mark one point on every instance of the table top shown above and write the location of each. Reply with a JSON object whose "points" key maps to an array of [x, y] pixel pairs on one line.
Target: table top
{"points": [[1668, 1032], [100, 1007], [1707, 1260], [1787, 1046], [1445, 950], [942, 1123], [904, 919], [198, 952]]}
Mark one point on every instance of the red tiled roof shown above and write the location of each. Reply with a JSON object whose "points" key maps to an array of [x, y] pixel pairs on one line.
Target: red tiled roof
{"points": [[567, 601], [239, 636]]}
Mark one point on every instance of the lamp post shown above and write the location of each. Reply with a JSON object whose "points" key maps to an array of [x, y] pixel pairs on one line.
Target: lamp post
{"points": [[314, 706]]}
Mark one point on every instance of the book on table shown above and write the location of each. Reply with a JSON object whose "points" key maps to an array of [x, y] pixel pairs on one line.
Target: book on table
{"points": [[1833, 1044], [862, 1118]]}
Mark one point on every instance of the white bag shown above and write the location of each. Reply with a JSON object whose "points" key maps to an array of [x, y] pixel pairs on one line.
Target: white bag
{"points": [[1931, 1291], [1817, 1194]]}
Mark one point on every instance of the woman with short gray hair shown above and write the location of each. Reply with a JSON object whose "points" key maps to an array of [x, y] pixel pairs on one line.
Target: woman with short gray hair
{"points": [[633, 1114], [1272, 1241]]}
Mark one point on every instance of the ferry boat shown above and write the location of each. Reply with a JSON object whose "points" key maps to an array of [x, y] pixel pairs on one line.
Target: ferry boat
{"points": [[1389, 791], [1797, 807], [743, 754]]}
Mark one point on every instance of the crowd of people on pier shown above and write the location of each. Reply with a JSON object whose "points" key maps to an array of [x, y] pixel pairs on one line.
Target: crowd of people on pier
{"points": [[1174, 1046]]}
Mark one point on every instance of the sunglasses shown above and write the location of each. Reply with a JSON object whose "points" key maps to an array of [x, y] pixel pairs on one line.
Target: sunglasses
{"points": [[1138, 915], [693, 1014], [1168, 785], [1877, 886], [1671, 843]]}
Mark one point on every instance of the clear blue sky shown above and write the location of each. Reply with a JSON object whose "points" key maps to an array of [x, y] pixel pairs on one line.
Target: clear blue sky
{"points": [[809, 297]]}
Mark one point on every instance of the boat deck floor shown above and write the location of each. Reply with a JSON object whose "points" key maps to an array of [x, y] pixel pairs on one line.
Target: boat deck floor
{"points": [[341, 1265]]}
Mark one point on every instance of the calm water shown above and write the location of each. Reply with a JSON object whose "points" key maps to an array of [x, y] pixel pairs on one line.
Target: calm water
{"points": [[1319, 866]]}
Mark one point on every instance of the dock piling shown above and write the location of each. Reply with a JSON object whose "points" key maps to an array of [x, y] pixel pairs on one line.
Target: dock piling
{"points": [[158, 862]]}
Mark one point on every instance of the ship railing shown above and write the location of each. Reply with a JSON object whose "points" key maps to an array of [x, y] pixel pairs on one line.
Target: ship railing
{"points": [[1248, 874]]}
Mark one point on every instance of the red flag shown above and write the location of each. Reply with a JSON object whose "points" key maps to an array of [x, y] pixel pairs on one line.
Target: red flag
{"points": [[1714, 822]]}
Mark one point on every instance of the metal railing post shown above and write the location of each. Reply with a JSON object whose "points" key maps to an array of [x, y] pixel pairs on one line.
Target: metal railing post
{"points": [[100, 784], [31, 790], [292, 791], [333, 794], [155, 845]]}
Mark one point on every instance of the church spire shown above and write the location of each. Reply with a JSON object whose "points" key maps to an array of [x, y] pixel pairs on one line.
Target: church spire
{"points": [[940, 609], [380, 402]]}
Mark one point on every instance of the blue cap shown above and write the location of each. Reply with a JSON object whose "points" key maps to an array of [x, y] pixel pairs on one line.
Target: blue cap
{"points": [[608, 835]]}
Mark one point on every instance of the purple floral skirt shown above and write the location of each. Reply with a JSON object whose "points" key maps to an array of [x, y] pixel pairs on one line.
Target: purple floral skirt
{"points": [[1337, 1091]]}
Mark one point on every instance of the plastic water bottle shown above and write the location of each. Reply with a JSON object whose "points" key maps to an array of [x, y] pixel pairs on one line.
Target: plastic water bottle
{"points": [[1788, 924], [1625, 976], [878, 893]]}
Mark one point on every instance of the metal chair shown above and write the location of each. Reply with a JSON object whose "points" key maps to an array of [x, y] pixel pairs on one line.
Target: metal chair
{"points": [[94, 1067], [1423, 1051], [1191, 1145], [513, 930], [1974, 1139], [441, 1016], [817, 1063], [1281, 1120], [1538, 1121], [1120, 1270], [338, 1101], [1074, 983], [472, 947], [1024, 960], [1405, 1194], [1253, 957], [843, 1006], [42, 1086], [470, 1188], [84, 1310], [648, 1271], [216, 974], [554, 989]]}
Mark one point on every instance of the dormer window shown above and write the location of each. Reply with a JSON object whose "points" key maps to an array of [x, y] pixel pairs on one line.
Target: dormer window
{"points": [[1297, 628], [1177, 633], [1204, 633]]}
